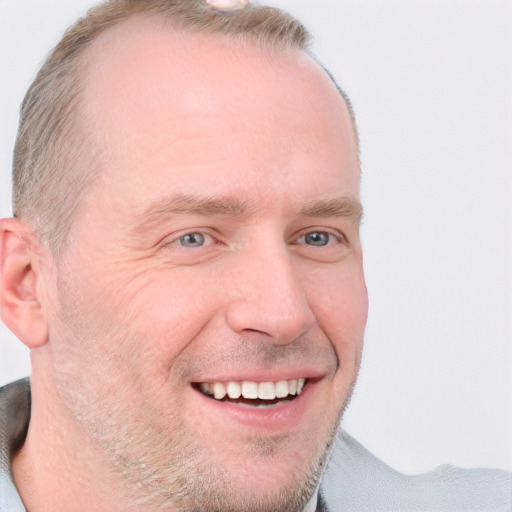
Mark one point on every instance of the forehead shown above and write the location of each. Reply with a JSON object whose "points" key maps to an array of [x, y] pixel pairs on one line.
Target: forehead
{"points": [[170, 99]]}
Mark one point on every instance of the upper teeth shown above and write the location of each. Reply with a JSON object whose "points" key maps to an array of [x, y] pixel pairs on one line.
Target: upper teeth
{"points": [[252, 390]]}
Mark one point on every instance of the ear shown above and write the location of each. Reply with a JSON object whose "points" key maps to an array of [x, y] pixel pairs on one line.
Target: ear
{"points": [[20, 279]]}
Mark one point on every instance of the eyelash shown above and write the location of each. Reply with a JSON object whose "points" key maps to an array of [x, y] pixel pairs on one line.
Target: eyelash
{"points": [[176, 239], [332, 237], [336, 237]]}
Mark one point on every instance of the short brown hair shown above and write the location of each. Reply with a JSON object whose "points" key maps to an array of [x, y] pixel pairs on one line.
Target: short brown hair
{"points": [[54, 156]]}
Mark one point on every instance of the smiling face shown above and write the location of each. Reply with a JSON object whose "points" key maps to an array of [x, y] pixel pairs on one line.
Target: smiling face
{"points": [[211, 298]]}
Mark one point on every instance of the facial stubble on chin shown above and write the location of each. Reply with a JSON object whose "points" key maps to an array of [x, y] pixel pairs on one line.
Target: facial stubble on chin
{"points": [[163, 467], [186, 484], [291, 499]]}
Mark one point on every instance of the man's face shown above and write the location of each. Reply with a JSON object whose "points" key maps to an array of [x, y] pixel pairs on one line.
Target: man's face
{"points": [[218, 249]]}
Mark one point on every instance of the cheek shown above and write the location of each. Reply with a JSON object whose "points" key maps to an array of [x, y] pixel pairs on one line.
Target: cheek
{"points": [[340, 303], [168, 312]]}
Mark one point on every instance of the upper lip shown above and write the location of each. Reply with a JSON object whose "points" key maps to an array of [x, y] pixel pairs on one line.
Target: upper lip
{"points": [[261, 375]]}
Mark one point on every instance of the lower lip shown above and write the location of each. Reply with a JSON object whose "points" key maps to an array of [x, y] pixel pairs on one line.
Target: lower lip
{"points": [[279, 417]]}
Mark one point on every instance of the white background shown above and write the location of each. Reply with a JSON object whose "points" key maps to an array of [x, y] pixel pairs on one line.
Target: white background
{"points": [[431, 82]]}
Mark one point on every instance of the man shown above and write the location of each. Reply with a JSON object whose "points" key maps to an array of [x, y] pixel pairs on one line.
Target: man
{"points": [[186, 269]]}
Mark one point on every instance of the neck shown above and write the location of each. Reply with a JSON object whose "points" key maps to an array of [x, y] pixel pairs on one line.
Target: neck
{"points": [[49, 476]]}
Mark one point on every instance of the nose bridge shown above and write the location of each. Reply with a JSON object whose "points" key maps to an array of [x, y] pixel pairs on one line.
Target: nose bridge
{"points": [[270, 295]]}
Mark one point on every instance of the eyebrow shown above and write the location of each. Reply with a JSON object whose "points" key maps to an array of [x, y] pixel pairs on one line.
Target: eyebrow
{"points": [[337, 207], [191, 205], [234, 207]]}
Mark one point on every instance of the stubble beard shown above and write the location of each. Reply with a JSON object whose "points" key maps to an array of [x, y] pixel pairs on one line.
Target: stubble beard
{"points": [[159, 464], [166, 469]]}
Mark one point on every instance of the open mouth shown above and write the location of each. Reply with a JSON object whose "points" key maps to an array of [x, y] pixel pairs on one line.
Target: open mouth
{"points": [[253, 394]]}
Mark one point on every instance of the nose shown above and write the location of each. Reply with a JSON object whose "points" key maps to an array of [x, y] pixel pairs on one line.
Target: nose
{"points": [[270, 298]]}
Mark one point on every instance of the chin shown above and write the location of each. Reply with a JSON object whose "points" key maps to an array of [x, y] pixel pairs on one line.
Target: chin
{"points": [[274, 480]]}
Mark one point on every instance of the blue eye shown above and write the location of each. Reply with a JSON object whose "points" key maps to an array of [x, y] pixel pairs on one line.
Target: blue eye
{"points": [[192, 240], [317, 238]]}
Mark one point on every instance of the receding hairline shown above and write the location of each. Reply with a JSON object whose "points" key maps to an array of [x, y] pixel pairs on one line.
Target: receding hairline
{"points": [[55, 99], [95, 51], [99, 48]]}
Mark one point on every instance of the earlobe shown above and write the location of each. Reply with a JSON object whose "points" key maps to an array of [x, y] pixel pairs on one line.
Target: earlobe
{"points": [[20, 274]]}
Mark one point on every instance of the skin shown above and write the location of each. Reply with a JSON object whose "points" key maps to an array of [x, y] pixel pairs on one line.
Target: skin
{"points": [[127, 318]]}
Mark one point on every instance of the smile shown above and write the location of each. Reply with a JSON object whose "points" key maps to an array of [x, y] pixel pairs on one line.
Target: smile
{"points": [[252, 393]]}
